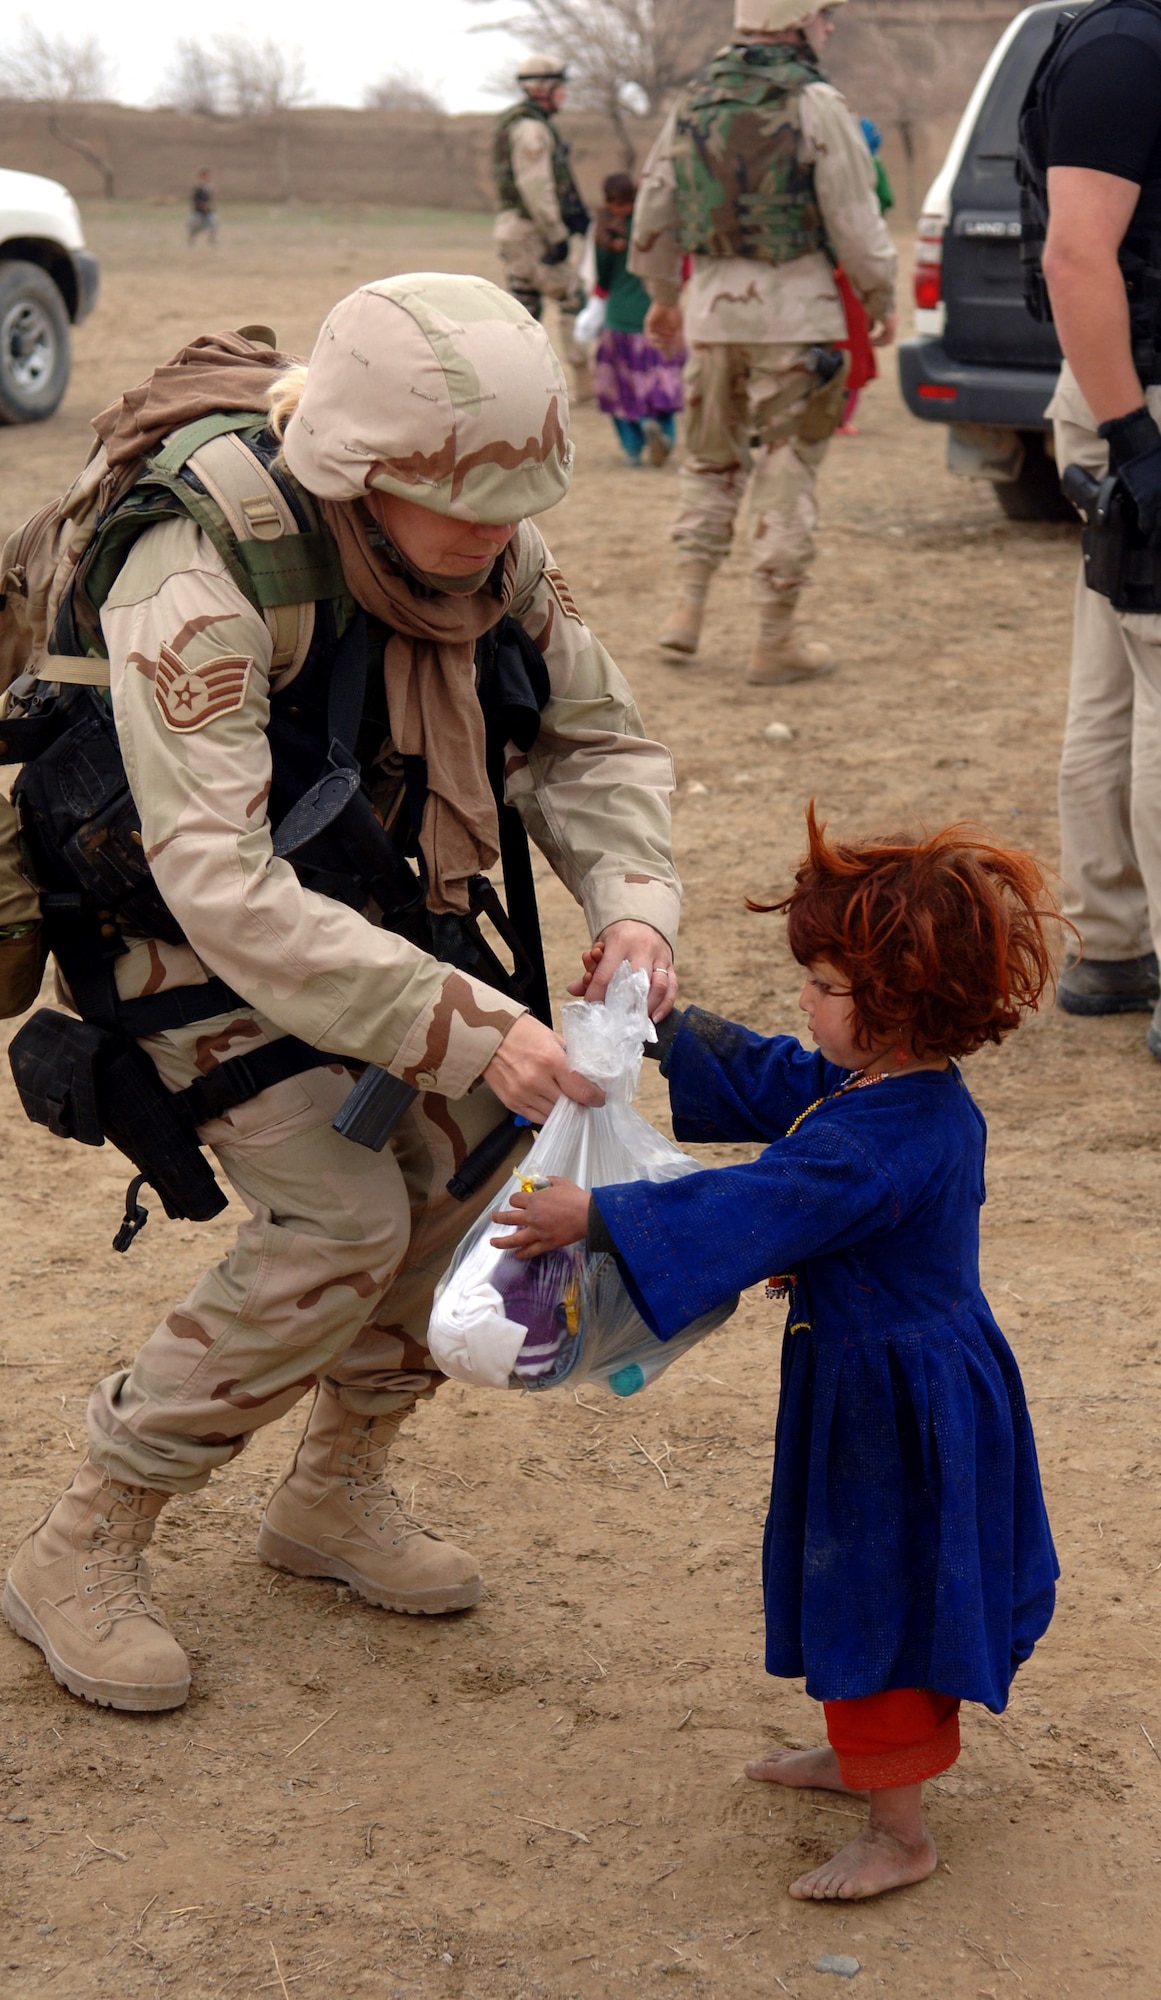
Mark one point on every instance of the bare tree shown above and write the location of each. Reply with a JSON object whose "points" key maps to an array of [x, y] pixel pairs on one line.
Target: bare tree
{"points": [[904, 73], [48, 69], [193, 81], [258, 78], [52, 71], [403, 90], [622, 55]]}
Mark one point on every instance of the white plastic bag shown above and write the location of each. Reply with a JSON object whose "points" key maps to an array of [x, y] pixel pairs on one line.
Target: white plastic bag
{"points": [[590, 320], [568, 1317]]}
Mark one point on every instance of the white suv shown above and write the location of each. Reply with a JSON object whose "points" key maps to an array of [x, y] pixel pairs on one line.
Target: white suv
{"points": [[48, 280]]}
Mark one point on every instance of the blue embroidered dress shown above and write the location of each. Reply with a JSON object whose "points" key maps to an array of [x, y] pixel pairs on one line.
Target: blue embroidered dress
{"points": [[907, 1543]]}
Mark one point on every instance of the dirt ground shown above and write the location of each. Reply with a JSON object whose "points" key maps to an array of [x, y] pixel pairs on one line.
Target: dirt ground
{"points": [[544, 1798]]}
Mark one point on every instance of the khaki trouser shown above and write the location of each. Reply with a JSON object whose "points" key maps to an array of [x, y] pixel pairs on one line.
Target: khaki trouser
{"points": [[520, 248], [1110, 767], [743, 409], [331, 1277]]}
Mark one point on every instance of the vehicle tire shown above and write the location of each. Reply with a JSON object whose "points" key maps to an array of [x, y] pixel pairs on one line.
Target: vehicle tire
{"points": [[1036, 494], [34, 344]]}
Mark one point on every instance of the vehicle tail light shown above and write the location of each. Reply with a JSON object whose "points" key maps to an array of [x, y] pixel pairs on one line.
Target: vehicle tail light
{"points": [[928, 279]]}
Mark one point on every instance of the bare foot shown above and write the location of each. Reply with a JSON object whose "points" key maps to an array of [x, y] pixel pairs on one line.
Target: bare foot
{"points": [[874, 1861], [812, 1770]]}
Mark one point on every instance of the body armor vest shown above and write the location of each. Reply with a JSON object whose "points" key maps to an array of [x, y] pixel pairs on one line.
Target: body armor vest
{"points": [[742, 187], [573, 212], [1139, 256]]}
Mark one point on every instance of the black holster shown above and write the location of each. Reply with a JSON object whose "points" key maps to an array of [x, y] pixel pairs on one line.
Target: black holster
{"points": [[86, 1083], [1121, 562]]}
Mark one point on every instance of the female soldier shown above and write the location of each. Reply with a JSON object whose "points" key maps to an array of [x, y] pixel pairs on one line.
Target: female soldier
{"points": [[430, 425]]}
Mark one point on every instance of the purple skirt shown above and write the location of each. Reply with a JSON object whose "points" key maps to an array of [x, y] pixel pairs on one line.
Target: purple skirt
{"points": [[633, 379]]}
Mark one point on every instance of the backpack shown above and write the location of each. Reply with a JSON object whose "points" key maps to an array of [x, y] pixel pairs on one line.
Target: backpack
{"points": [[58, 568]]}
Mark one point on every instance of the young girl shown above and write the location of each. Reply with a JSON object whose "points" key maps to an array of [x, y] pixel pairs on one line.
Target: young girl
{"points": [[908, 1562], [636, 385]]}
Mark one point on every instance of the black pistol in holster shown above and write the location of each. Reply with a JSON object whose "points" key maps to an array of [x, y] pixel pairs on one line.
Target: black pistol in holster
{"points": [[85, 1083], [1121, 562]]}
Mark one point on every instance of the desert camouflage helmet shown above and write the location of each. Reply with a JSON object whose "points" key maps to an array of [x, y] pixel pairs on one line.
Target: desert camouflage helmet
{"points": [[541, 69], [441, 389], [757, 17]]}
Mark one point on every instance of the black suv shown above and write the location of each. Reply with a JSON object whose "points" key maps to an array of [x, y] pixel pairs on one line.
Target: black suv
{"points": [[980, 363]]}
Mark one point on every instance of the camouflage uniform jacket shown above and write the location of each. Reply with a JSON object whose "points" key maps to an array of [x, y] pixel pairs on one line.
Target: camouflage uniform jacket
{"points": [[747, 299], [592, 792], [533, 176]]}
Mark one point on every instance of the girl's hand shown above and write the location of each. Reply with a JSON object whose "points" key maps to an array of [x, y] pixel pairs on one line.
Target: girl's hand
{"points": [[590, 959], [548, 1219]]}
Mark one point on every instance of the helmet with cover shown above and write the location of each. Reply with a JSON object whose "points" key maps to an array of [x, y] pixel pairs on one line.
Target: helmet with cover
{"points": [[440, 389], [770, 17], [541, 70]]}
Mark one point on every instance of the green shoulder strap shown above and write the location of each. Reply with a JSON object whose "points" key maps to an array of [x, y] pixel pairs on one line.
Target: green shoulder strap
{"points": [[270, 571]]}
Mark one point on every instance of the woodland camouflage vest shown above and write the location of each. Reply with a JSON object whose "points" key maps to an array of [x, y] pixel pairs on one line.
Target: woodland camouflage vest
{"points": [[507, 193], [742, 187]]}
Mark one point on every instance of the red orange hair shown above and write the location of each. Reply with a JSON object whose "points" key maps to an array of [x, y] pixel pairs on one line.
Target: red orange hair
{"points": [[942, 938]]}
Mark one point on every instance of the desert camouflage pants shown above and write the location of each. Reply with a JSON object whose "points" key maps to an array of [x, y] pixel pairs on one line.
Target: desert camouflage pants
{"points": [[520, 248], [744, 408], [330, 1277]]}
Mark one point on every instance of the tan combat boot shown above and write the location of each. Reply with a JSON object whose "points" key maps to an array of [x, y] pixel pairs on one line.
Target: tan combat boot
{"points": [[682, 630], [780, 656], [80, 1590], [337, 1514]]}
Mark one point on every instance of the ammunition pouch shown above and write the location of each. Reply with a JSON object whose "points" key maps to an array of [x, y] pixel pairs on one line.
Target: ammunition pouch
{"points": [[1120, 561], [84, 1083], [23, 950]]}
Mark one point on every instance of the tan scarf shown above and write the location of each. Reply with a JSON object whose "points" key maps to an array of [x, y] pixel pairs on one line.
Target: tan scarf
{"points": [[218, 371], [430, 671]]}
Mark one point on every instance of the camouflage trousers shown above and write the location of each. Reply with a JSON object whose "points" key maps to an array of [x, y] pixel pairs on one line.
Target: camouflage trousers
{"points": [[330, 1278], [745, 412], [520, 248]]}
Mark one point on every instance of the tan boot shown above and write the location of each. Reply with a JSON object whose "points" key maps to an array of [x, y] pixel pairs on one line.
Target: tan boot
{"points": [[780, 656], [80, 1590], [682, 630], [337, 1514]]}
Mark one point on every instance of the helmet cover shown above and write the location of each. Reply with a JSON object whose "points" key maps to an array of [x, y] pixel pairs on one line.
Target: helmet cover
{"points": [[440, 389], [769, 17]]}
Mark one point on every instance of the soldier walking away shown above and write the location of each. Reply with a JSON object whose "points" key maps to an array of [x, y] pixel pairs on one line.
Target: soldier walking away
{"points": [[1090, 168], [283, 759], [540, 206], [762, 178], [203, 217]]}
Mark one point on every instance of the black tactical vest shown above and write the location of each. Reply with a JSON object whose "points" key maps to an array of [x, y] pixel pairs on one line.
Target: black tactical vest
{"points": [[1140, 252]]}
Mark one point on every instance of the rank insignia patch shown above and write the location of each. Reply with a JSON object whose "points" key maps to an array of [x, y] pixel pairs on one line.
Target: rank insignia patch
{"points": [[562, 594], [191, 697]]}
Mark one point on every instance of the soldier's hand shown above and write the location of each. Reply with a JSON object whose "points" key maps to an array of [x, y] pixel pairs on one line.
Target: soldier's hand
{"points": [[663, 326], [644, 948], [884, 334], [529, 1071]]}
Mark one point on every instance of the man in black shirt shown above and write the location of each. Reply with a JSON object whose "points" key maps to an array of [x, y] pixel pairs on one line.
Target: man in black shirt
{"points": [[1092, 126]]}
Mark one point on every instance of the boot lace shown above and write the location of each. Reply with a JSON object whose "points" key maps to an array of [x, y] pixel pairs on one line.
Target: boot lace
{"points": [[366, 1465], [117, 1566]]}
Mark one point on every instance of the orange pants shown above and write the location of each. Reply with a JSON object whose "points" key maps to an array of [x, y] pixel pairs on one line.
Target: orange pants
{"points": [[898, 1738]]}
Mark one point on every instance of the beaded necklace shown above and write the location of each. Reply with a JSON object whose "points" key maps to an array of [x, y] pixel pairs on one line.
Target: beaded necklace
{"points": [[782, 1285]]}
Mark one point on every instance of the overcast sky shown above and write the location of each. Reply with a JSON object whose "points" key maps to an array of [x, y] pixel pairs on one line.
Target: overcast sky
{"points": [[346, 48]]}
